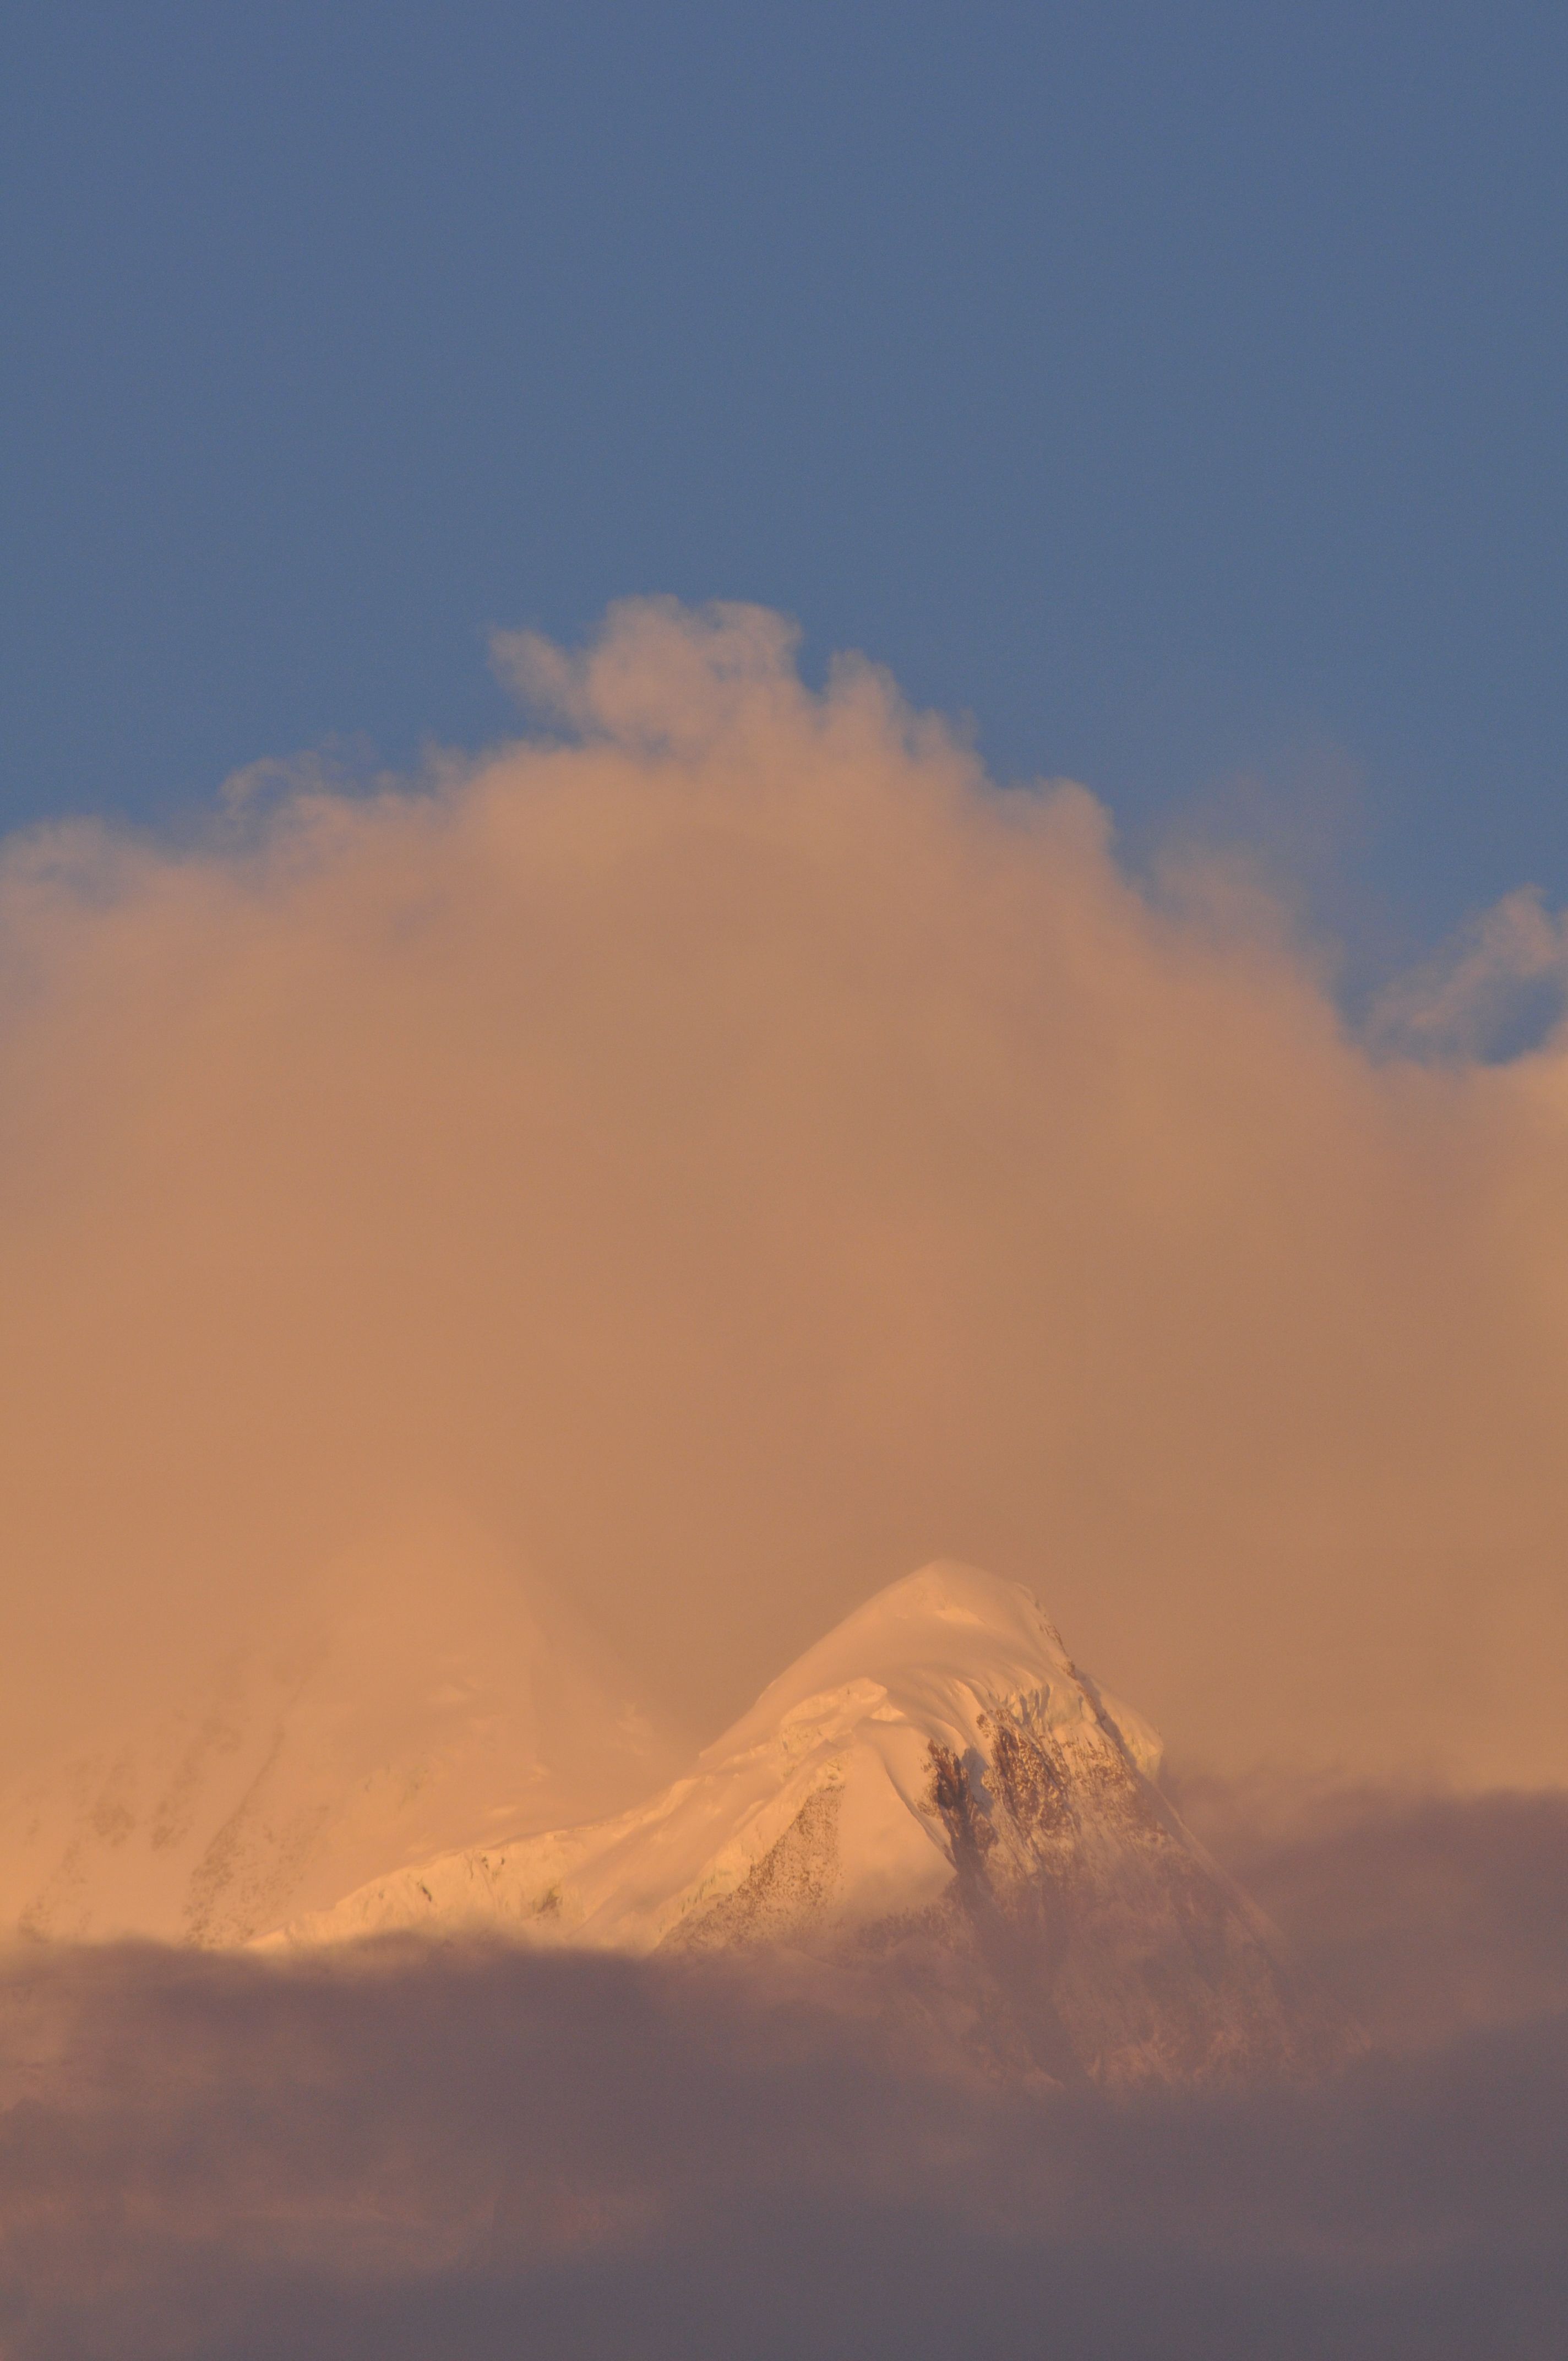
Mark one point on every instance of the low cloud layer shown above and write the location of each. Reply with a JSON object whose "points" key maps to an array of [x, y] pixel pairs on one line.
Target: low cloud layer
{"points": [[723, 1154], [1422, 1915], [478, 2153]]}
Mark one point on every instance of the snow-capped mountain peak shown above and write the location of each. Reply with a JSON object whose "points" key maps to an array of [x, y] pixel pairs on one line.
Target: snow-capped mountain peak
{"points": [[926, 1642], [933, 1794]]}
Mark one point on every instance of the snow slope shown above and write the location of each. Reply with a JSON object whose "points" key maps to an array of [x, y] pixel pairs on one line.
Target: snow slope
{"points": [[935, 1796]]}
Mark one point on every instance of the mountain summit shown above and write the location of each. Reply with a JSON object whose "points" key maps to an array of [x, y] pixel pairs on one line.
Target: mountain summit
{"points": [[934, 1795]]}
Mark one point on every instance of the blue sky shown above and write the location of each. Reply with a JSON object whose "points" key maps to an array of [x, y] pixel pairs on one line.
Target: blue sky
{"points": [[1178, 390]]}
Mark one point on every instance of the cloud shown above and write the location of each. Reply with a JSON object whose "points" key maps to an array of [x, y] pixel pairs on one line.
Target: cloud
{"points": [[1424, 1914], [1501, 984], [474, 2151], [724, 1155]]}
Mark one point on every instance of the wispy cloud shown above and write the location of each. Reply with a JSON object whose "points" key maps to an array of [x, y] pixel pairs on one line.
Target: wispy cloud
{"points": [[1498, 987]]}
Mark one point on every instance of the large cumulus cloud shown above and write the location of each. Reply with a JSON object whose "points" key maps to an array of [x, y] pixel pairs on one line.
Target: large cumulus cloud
{"points": [[725, 1153]]}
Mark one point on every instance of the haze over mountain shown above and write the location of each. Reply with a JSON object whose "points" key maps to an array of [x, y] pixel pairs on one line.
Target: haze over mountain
{"points": [[415, 1712]]}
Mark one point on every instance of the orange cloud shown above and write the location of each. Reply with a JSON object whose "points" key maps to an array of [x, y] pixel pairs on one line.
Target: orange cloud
{"points": [[727, 1156]]}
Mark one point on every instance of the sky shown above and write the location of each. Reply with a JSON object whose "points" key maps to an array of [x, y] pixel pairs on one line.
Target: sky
{"points": [[1174, 390]]}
